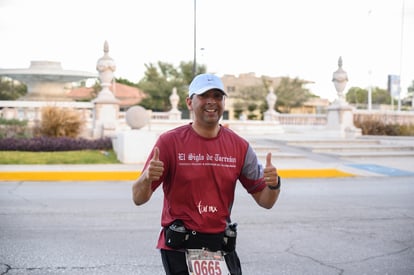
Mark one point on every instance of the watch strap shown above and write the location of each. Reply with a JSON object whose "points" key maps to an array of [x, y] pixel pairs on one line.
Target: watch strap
{"points": [[277, 186]]}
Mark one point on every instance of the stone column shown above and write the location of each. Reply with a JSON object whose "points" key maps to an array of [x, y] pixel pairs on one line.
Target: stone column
{"points": [[340, 113], [106, 110]]}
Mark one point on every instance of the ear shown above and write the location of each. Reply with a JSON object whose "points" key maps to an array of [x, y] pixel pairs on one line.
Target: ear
{"points": [[189, 102]]}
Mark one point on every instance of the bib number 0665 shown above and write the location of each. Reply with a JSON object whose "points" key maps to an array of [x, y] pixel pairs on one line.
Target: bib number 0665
{"points": [[208, 267], [204, 262]]}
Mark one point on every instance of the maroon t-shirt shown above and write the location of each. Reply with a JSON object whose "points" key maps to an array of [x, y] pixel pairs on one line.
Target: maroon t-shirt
{"points": [[200, 176]]}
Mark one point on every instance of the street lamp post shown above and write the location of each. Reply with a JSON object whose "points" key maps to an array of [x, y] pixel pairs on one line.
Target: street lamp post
{"points": [[401, 53], [195, 40]]}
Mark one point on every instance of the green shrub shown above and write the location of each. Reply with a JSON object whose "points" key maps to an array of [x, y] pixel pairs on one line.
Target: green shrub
{"points": [[64, 157], [14, 128], [52, 144], [374, 126], [59, 122], [406, 130]]}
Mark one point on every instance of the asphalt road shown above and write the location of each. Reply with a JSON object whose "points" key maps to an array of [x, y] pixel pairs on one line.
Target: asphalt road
{"points": [[361, 225]]}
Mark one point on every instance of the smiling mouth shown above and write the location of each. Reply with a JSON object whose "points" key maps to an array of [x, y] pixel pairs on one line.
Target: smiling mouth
{"points": [[211, 110]]}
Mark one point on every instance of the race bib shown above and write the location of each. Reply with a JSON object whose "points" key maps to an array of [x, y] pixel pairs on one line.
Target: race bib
{"points": [[204, 262]]}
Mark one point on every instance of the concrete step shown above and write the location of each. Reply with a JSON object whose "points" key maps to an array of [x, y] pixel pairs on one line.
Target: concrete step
{"points": [[280, 155], [355, 147], [308, 143], [369, 154], [265, 148], [359, 148], [336, 148]]}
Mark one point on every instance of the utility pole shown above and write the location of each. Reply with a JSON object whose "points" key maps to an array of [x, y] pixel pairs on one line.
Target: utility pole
{"points": [[401, 54], [195, 40], [370, 91], [369, 105]]}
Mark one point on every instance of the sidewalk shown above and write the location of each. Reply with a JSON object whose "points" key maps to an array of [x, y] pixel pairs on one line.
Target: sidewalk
{"points": [[305, 160], [287, 168], [131, 172]]}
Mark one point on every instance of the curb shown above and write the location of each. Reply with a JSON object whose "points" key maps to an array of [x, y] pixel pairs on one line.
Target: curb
{"points": [[133, 175]]}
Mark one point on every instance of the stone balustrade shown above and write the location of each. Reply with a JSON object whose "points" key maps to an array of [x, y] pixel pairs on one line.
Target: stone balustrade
{"points": [[31, 110], [388, 117], [302, 119]]}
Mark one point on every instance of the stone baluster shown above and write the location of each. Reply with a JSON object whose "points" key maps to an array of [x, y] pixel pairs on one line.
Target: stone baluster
{"points": [[174, 113], [271, 114], [106, 108], [340, 113]]}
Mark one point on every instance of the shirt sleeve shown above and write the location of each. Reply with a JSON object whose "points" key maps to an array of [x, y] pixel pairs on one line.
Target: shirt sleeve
{"points": [[252, 172]]}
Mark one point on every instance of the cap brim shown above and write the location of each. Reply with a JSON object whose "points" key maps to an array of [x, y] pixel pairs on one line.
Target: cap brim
{"points": [[206, 89]]}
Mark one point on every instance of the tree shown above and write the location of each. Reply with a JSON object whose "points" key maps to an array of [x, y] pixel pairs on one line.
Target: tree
{"points": [[11, 89], [410, 94], [238, 108], [380, 96], [248, 99], [252, 93], [126, 82], [159, 81], [291, 93], [411, 89], [356, 95]]}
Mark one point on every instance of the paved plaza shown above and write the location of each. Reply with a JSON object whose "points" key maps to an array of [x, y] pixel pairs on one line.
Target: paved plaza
{"points": [[362, 225], [357, 220]]}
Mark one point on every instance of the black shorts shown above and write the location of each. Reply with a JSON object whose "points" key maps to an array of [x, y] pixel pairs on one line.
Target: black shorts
{"points": [[175, 264]]}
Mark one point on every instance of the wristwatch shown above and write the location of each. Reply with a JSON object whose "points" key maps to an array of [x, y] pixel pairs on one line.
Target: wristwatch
{"points": [[277, 186]]}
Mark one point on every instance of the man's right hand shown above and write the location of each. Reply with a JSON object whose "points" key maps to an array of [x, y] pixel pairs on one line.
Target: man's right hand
{"points": [[155, 168], [141, 189]]}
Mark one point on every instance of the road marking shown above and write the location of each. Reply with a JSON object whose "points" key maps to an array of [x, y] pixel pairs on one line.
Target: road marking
{"points": [[133, 175], [384, 170]]}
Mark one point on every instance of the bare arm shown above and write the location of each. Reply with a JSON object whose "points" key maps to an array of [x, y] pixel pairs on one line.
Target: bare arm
{"points": [[141, 189], [268, 197]]}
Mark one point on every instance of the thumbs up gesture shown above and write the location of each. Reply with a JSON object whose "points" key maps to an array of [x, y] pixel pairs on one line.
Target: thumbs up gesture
{"points": [[155, 168], [270, 171]]}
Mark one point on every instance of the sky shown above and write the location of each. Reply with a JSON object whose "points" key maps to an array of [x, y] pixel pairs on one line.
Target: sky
{"points": [[293, 38]]}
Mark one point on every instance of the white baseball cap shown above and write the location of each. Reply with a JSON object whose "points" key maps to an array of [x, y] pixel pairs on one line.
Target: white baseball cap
{"points": [[205, 82]]}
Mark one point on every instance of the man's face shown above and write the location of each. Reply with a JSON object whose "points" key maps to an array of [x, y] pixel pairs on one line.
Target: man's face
{"points": [[208, 107]]}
